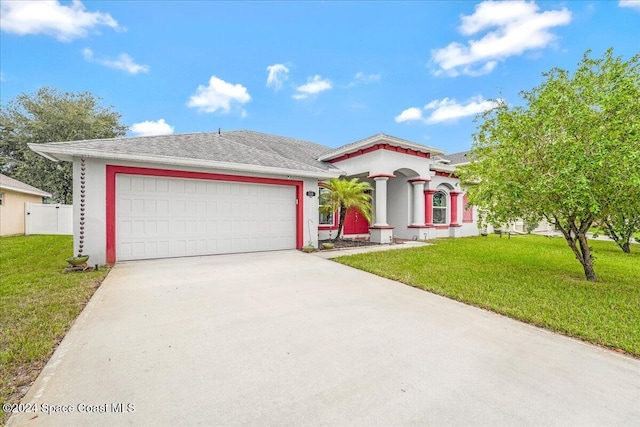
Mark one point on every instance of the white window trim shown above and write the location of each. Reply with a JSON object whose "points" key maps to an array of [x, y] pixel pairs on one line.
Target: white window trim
{"points": [[447, 217]]}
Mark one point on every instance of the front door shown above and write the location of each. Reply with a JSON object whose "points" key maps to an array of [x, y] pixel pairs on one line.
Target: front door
{"points": [[355, 222]]}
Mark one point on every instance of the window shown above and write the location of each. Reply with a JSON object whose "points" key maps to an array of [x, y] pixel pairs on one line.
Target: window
{"points": [[439, 208], [1, 199], [324, 219]]}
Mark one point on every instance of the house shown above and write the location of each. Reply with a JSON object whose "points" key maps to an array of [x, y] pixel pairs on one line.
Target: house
{"points": [[14, 195], [241, 191]]}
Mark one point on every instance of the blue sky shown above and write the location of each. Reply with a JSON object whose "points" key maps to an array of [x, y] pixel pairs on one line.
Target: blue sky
{"points": [[328, 72]]}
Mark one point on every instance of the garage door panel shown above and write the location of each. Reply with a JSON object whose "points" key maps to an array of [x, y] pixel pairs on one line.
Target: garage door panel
{"points": [[165, 217]]}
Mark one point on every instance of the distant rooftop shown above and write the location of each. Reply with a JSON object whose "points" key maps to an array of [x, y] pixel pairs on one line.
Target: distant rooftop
{"points": [[8, 183], [458, 158]]}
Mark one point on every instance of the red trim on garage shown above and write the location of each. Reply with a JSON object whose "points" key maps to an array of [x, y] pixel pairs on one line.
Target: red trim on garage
{"points": [[168, 173], [376, 147]]}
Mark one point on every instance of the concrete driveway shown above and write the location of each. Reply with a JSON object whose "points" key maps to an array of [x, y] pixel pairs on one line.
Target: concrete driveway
{"points": [[286, 338]]}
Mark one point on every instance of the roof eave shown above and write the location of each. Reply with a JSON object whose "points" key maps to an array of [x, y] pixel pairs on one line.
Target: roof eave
{"points": [[46, 154], [22, 190], [61, 153], [365, 143]]}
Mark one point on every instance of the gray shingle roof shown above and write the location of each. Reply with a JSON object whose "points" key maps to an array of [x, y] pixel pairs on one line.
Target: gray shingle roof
{"points": [[8, 183], [458, 158], [239, 147]]}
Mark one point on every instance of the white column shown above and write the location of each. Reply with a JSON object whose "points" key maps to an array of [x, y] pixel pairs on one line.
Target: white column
{"points": [[381, 201], [418, 204]]}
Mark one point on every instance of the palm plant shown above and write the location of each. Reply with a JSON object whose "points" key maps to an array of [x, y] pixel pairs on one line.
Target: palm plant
{"points": [[344, 195]]}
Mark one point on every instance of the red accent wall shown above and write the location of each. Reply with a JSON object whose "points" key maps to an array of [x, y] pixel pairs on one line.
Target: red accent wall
{"points": [[467, 213], [454, 208], [446, 174], [381, 146], [169, 173]]}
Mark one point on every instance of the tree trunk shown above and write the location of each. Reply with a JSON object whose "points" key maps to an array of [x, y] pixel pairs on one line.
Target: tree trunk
{"points": [[587, 259], [577, 236], [623, 239], [341, 217]]}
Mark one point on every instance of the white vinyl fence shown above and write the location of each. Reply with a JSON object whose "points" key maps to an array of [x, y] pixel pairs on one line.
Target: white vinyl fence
{"points": [[48, 219]]}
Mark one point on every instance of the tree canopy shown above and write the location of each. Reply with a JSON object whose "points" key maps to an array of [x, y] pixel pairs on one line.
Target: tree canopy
{"points": [[51, 116], [570, 154], [343, 195]]}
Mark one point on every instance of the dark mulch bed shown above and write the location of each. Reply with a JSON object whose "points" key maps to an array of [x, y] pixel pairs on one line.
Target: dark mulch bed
{"points": [[348, 243]]}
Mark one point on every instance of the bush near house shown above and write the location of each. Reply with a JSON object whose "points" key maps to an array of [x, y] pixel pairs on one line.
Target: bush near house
{"points": [[39, 304], [529, 278]]}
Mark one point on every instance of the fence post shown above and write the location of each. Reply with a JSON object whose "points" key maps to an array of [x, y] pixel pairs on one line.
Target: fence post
{"points": [[57, 218], [27, 218]]}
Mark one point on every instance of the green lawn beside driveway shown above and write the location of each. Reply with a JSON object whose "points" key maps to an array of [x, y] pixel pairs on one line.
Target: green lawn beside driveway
{"points": [[535, 279], [38, 304]]}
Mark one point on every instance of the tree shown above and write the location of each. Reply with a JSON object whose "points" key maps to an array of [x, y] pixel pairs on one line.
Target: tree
{"points": [[571, 154], [343, 195], [623, 220], [50, 116]]}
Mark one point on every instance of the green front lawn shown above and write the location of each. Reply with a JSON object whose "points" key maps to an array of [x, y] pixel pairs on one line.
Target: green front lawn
{"points": [[535, 279], [39, 303]]}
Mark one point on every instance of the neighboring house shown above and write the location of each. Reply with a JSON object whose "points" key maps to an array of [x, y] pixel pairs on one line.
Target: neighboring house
{"points": [[13, 196], [243, 191]]}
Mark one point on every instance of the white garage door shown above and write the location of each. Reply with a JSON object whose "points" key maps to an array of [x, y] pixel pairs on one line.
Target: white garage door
{"points": [[172, 217]]}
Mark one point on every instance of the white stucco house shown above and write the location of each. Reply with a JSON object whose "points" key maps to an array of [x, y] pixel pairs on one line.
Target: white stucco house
{"points": [[242, 191]]}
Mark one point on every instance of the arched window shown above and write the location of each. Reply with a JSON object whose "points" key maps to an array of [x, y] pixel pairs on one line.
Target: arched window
{"points": [[439, 208]]}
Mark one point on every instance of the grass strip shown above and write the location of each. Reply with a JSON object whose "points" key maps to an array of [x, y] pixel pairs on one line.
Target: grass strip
{"points": [[535, 279], [38, 305]]}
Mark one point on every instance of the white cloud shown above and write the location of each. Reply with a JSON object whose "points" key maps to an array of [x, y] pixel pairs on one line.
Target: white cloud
{"points": [[449, 109], [633, 4], [409, 115], [362, 78], [314, 85], [445, 110], [124, 62], [278, 73], [149, 128], [518, 27], [51, 18], [219, 95]]}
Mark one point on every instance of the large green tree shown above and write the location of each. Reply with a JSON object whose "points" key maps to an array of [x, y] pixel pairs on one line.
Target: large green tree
{"points": [[342, 195], [50, 116], [570, 154]]}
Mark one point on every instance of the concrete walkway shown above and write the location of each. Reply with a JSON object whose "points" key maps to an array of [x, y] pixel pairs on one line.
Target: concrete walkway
{"points": [[291, 339], [335, 253]]}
